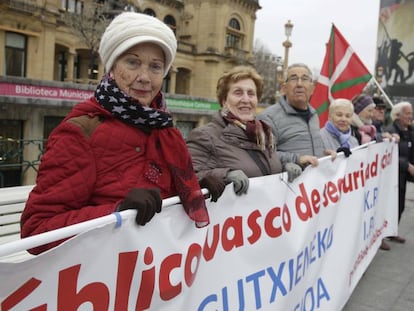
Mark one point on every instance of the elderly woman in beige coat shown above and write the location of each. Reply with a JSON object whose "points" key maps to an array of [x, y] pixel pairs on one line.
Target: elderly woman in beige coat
{"points": [[234, 145]]}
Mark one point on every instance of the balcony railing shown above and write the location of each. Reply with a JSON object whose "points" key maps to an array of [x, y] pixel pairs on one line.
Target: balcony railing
{"points": [[236, 52], [28, 6], [186, 47]]}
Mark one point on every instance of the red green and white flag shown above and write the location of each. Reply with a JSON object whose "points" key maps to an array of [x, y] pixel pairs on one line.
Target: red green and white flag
{"points": [[343, 75]]}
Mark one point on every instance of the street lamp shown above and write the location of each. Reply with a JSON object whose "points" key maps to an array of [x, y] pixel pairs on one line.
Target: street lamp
{"points": [[279, 81], [287, 44], [281, 68]]}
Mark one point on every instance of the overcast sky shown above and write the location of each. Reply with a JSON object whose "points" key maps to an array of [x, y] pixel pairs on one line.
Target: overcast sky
{"points": [[357, 20]]}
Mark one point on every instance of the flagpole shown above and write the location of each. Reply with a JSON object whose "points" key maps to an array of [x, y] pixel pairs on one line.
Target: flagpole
{"points": [[383, 93]]}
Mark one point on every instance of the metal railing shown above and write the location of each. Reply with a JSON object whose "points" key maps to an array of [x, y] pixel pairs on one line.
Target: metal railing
{"points": [[28, 6], [19, 155]]}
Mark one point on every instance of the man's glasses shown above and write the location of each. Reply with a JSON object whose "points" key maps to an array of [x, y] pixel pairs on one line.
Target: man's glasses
{"points": [[295, 79]]}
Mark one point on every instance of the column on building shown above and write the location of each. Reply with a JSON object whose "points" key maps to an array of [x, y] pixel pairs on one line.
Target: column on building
{"points": [[173, 80], [33, 130], [70, 65], [101, 71]]}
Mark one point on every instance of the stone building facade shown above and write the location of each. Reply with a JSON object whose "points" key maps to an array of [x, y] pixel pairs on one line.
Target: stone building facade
{"points": [[46, 67]]}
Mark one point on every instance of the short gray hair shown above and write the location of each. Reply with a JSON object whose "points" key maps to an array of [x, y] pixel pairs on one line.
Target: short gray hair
{"points": [[298, 65], [340, 102], [397, 108]]}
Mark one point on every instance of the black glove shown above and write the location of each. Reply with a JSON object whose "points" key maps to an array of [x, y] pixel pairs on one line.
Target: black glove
{"points": [[147, 202], [345, 150], [214, 185]]}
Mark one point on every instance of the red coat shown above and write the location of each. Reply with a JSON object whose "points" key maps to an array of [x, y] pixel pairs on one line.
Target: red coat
{"points": [[83, 178]]}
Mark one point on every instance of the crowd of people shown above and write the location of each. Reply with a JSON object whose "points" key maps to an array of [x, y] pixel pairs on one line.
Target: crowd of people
{"points": [[120, 150]]}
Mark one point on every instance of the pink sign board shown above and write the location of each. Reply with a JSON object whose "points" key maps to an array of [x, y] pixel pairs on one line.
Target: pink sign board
{"points": [[44, 92]]}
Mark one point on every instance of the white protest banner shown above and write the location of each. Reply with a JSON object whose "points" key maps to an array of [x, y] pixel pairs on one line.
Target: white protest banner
{"points": [[298, 246]]}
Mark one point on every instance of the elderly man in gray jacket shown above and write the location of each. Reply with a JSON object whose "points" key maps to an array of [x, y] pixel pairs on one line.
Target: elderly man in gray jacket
{"points": [[294, 122]]}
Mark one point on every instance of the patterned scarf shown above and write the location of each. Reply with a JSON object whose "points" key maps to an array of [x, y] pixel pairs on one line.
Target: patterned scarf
{"points": [[164, 136], [256, 131], [342, 137]]}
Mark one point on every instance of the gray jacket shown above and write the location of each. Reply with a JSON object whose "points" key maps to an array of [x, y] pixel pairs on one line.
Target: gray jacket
{"points": [[218, 147], [331, 142], [294, 135]]}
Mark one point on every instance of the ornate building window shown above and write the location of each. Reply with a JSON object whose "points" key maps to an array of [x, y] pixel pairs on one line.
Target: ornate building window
{"points": [[150, 12], [73, 6], [234, 23], [16, 51], [170, 22], [234, 35]]}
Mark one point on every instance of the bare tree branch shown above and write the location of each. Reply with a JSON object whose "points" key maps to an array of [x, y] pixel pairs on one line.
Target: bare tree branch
{"points": [[266, 65], [90, 24]]}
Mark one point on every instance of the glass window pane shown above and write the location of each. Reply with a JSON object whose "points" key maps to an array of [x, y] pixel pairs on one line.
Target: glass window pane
{"points": [[234, 23], [79, 6], [15, 54], [71, 6], [15, 40], [14, 62]]}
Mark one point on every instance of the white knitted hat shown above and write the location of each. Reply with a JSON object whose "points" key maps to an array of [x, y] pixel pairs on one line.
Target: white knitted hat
{"points": [[129, 29]]}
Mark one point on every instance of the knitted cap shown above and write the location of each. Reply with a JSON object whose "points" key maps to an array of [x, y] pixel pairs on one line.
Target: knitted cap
{"points": [[129, 29], [361, 102]]}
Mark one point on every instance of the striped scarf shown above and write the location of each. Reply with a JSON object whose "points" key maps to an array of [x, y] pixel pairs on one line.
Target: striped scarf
{"points": [[256, 131]]}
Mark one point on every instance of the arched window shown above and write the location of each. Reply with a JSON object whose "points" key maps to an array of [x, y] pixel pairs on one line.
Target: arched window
{"points": [[150, 12], [234, 23], [170, 22], [234, 35]]}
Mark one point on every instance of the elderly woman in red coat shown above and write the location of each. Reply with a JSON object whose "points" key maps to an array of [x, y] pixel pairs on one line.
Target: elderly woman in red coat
{"points": [[117, 150]]}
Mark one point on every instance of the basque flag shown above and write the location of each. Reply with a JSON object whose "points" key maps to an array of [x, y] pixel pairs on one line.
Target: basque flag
{"points": [[343, 75]]}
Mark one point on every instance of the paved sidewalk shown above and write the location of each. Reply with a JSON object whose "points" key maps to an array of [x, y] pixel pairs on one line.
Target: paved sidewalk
{"points": [[388, 283]]}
